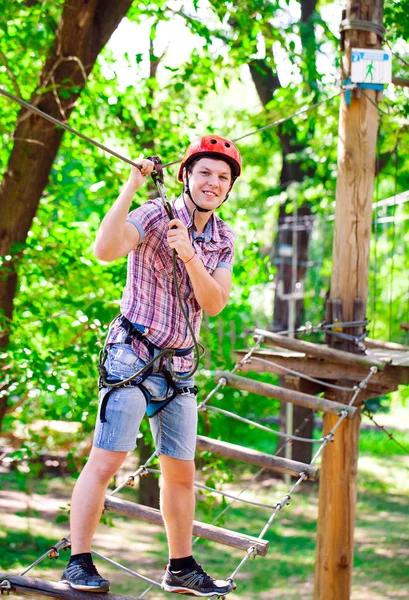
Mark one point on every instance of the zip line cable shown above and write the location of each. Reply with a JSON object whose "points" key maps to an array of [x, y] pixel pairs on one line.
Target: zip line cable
{"points": [[63, 125]]}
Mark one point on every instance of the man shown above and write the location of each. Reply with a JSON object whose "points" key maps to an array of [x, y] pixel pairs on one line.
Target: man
{"points": [[151, 319]]}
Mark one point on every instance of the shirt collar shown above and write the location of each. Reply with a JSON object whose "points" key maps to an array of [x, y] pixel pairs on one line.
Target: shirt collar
{"points": [[211, 230]]}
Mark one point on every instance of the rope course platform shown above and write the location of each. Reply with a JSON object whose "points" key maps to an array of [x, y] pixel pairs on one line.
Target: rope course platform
{"points": [[323, 365], [356, 376]]}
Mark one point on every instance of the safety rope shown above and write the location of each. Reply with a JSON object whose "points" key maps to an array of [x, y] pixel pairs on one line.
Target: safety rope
{"points": [[363, 25], [63, 125], [367, 411], [322, 382]]}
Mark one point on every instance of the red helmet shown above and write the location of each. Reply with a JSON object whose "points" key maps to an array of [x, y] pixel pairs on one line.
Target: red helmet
{"points": [[213, 146]]}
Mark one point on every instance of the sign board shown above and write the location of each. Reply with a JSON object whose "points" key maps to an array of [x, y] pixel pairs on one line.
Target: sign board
{"points": [[371, 66]]}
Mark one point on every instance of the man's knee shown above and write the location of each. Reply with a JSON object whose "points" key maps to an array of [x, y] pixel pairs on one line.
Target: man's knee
{"points": [[176, 471], [104, 464]]}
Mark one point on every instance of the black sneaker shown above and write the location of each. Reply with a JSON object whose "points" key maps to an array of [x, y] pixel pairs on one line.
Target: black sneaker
{"points": [[84, 576], [195, 582]]}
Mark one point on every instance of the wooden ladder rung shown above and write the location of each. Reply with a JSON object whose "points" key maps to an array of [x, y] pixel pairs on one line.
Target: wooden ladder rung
{"points": [[254, 457], [285, 395], [320, 351], [32, 587], [202, 530]]}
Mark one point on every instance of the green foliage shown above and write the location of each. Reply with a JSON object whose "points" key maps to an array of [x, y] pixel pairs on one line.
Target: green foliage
{"points": [[66, 298]]}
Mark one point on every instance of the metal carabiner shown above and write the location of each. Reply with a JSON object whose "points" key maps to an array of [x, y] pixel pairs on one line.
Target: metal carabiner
{"points": [[157, 176]]}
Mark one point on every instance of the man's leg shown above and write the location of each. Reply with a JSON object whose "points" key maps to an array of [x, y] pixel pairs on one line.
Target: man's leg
{"points": [[178, 503], [183, 575], [89, 495], [86, 508]]}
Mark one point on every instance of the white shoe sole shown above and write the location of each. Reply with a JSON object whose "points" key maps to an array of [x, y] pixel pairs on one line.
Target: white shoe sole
{"points": [[86, 588], [181, 590]]}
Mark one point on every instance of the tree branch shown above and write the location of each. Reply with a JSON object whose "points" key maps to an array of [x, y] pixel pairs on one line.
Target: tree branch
{"points": [[10, 73], [400, 81]]}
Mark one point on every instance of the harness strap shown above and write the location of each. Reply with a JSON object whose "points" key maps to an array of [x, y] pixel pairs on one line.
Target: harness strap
{"points": [[152, 408]]}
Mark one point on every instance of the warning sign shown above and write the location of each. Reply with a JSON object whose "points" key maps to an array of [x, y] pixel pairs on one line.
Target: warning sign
{"points": [[371, 66]]}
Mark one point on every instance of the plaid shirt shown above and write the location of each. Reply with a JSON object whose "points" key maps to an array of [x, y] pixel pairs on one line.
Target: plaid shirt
{"points": [[149, 297]]}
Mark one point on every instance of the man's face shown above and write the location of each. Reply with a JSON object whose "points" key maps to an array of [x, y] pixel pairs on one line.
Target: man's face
{"points": [[210, 182]]}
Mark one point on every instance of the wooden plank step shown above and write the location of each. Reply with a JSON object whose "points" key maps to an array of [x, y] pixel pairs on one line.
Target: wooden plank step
{"points": [[285, 395], [346, 358], [202, 530], [33, 587], [254, 457]]}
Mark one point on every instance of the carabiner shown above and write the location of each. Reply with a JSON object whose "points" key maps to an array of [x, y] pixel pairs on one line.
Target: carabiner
{"points": [[157, 176]]}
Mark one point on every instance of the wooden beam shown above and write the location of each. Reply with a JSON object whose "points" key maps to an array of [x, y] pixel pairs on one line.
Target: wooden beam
{"points": [[369, 343], [392, 375], [202, 530], [33, 587], [344, 358], [285, 395], [254, 457]]}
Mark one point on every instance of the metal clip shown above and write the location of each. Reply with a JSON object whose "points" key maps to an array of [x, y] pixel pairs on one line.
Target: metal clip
{"points": [[157, 176], [5, 587]]}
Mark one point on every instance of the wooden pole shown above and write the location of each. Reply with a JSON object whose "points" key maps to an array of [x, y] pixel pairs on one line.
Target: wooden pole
{"points": [[285, 394], [254, 457], [358, 128]]}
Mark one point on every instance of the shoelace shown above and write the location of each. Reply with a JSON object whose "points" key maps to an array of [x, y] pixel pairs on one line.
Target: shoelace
{"points": [[89, 569]]}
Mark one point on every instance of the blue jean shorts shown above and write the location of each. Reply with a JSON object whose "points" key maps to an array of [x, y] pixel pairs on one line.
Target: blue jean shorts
{"points": [[173, 428]]}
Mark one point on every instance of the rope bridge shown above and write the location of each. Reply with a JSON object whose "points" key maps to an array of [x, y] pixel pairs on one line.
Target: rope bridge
{"points": [[251, 545]]}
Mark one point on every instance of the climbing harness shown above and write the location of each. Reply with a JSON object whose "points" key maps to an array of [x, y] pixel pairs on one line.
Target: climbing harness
{"points": [[157, 357]]}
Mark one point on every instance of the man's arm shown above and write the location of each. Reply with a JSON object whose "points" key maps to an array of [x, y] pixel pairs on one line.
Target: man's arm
{"points": [[116, 237], [211, 291]]}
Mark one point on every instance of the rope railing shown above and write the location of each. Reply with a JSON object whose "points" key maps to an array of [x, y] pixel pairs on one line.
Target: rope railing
{"points": [[126, 569], [200, 486], [262, 427], [366, 411], [276, 508], [303, 375]]}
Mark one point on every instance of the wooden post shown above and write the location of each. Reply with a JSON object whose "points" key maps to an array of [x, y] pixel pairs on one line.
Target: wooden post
{"points": [[358, 128]]}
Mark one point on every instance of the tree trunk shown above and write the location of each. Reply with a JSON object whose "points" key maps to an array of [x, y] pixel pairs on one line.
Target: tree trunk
{"points": [[148, 491], [267, 82], [84, 29]]}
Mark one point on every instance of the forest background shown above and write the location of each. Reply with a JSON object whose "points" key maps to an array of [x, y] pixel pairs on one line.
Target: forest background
{"points": [[148, 78]]}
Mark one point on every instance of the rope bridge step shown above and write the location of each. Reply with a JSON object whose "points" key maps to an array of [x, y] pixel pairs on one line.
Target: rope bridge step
{"points": [[285, 395], [254, 457], [330, 354], [28, 586], [202, 530]]}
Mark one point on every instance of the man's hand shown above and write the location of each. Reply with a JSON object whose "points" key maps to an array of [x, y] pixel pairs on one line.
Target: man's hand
{"points": [[178, 239], [138, 174]]}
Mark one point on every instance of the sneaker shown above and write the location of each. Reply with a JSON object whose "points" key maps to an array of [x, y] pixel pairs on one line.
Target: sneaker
{"points": [[195, 582], [81, 575]]}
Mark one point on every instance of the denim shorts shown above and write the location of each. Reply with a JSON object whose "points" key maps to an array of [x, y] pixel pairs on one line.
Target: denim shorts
{"points": [[173, 428]]}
